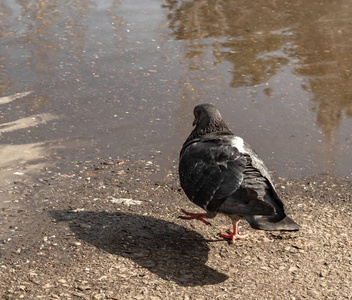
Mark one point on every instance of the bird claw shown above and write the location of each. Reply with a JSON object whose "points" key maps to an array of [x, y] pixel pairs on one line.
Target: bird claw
{"points": [[191, 216], [233, 236]]}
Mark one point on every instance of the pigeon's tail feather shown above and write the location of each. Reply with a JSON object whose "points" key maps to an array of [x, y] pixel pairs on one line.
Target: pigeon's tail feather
{"points": [[278, 221], [245, 202], [272, 223]]}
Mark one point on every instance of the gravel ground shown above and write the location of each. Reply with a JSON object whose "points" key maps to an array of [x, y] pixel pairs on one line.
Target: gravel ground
{"points": [[109, 230]]}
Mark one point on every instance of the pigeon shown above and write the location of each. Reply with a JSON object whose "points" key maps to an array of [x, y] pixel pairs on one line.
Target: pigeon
{"points": [[221, 173]]}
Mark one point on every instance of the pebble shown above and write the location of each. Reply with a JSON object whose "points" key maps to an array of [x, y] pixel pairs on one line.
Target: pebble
{"points": [[77, 294], [75, 243], [292, 269], [126, 201], [83, 225], [148, 263]]}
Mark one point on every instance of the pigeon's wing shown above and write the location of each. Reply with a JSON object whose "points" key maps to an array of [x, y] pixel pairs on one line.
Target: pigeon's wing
{"points": [[210, 168], [245, 202], [257, 177], [258, 164]]}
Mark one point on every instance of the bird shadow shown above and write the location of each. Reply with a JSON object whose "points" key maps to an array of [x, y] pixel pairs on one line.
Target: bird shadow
{"points": [[171, 251]]}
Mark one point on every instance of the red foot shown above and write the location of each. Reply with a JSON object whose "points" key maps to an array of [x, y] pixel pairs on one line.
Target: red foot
{"points": [[233, 235], [191, 216]]}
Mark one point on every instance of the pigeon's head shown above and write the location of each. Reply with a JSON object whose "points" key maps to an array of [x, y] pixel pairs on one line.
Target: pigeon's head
{"points": [[207, 120], [205, 114]]}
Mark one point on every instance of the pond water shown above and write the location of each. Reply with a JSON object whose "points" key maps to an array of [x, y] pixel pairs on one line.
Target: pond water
{"points": [[85, 79]]}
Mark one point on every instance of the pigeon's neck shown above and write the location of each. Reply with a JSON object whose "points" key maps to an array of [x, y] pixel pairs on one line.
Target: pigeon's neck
{"points": [[214, 125]]}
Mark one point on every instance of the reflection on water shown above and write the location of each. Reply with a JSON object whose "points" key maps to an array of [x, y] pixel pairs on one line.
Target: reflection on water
{"points": [[327, 61], [115, 77], [8, 99], [16, 158], [12, 154], [75, 76], [26, 122], [228, 28], [256, 40]]}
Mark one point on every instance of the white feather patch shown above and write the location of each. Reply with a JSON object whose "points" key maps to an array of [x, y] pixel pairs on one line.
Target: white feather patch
{"points": [[238, 143]]}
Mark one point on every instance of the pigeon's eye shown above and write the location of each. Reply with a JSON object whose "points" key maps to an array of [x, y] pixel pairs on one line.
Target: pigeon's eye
{"points": [[195, 114]]}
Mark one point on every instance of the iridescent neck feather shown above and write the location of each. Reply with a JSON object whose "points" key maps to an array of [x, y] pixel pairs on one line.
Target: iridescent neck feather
{"points": [[212, 125]]}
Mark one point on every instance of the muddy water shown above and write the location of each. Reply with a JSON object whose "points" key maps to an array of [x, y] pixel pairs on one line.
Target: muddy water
{"points": [[85, 79]]}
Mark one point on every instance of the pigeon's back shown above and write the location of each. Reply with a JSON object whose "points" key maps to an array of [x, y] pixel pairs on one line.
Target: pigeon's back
{"points": [[210, 169]]}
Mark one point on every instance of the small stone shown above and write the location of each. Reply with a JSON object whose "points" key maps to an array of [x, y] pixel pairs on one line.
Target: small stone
{"points": [[292, 269], [83, 225], [77, 294], [75, 243], [298, 245], [65, 295], [266, 240], [148, 263]]}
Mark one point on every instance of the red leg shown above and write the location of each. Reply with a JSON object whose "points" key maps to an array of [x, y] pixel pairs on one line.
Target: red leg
{"points": [[191, 216], [233, 235]]}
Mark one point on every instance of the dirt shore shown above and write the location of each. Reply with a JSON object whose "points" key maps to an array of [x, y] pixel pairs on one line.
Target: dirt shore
{"points": [[108, 230]]}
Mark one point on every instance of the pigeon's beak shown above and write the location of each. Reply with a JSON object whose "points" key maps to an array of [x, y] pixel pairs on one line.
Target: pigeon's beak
{"points": [[194, 122]]}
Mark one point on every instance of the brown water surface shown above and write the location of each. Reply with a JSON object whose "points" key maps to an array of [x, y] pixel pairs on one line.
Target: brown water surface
{"points": [[85, 79]]}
